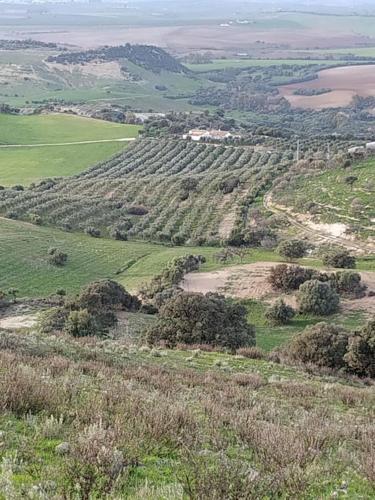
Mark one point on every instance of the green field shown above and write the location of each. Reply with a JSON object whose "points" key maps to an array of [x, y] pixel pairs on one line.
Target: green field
{"points": [[219, 64], [27, 164]]}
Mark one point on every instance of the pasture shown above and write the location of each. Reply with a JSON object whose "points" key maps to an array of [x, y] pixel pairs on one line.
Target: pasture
{"points": [[23, 165], [222, 64]]}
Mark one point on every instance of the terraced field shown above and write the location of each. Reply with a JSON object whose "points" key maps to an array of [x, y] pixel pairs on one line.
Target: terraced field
{"points": [[167, 190]]}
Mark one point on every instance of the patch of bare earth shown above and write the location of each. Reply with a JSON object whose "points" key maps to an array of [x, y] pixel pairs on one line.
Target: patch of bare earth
{"points": [[18, 322], [250, 281], [345, 82]]}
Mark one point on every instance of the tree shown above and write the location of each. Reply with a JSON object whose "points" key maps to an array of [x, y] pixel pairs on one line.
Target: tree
{"points": [[317, 297], [280, 313], [340, 259], [321, 344], [361, 351], [193, 318], [292, 249], [350, 180]]}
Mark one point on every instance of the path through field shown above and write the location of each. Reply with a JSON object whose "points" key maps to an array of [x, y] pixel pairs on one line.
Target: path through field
{"points": [[39, 145], [319, 235]]}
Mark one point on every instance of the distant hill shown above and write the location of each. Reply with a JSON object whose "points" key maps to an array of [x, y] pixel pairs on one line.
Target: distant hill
{"points": [[148, 56]]}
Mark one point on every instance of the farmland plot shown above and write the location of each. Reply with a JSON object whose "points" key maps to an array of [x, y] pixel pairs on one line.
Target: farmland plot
{"points": [[167, 191]]}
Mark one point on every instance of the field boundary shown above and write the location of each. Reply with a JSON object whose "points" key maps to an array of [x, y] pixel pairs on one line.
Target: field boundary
{"points": [[40, 145]]}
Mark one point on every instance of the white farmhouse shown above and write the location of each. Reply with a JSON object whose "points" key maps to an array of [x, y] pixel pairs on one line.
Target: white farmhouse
{"points": [[215, 135]]}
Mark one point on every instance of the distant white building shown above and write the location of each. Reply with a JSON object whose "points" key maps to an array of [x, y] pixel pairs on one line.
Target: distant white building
{"points": [[370, 146], [215, 135]]}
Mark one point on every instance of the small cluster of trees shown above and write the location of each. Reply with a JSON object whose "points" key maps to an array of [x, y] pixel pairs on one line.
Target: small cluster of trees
{"points": [[318, 293], [331, 346], [92, 312]]}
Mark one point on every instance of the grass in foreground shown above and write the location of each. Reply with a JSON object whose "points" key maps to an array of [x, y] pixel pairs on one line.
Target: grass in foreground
{"points": [[94, 419], [26, 165]]}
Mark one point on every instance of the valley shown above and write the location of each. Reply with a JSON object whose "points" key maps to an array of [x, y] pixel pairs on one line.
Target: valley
{"points": [[187, 250]]}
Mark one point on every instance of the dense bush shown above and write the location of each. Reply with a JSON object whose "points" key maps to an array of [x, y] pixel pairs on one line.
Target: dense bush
{"points": [[361, 351], [321, 345], [279, 313], [348, 284], [317, 297], [340, 258], [81, 324], [286, 278], [292, 249], [56, 257], [193, 318], [106, 294], [165, 284], [93, 231]]}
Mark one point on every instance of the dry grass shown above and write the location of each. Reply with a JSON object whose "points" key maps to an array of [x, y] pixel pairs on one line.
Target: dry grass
{"points": [[146, 427]]}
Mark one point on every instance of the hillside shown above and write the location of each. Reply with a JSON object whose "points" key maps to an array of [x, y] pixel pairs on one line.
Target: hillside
{"points": [[163, 190], [39, 146], [112, 417], [338, 200], [141, 77]]}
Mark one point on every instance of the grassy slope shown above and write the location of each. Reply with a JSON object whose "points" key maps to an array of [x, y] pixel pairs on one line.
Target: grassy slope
{"points": [[25, 165], [329, 189], [197, 422]]}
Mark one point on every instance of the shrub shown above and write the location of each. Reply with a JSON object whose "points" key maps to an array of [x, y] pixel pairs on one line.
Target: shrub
{"points": [[319, 298], [340, 258], [361, 351], [81, 324], [287, 278], [193, 318], [93, 231], [57, 257], [118, 234], [106, 294], [321, 344], [52, 320], [348, 284], [137, 210], [292, 249], [280, 313]]}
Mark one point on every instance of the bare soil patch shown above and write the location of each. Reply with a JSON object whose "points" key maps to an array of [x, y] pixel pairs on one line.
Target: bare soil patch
{"points": [[249, 281], [345, 82], [18, 322]]}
